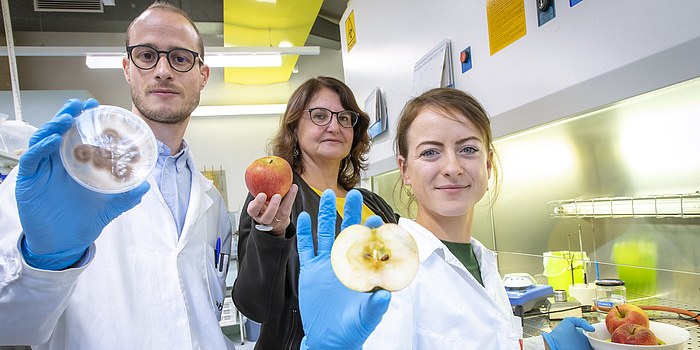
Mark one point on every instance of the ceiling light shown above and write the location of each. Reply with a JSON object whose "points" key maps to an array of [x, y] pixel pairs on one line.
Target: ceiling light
{"points": [[111, 57], [104, 62], [209, 111]]}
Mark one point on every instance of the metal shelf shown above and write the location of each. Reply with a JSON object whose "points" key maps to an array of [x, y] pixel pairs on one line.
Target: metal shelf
{"points": [[657, 206]]}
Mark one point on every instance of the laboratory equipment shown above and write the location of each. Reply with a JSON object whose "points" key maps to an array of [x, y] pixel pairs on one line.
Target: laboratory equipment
{"points": [[609, 293], [109, 150], [561, 306], [522, 290]]}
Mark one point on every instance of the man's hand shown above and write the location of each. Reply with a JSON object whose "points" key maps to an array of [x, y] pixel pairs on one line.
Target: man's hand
{"points": [[60, 218], [334, 317]]}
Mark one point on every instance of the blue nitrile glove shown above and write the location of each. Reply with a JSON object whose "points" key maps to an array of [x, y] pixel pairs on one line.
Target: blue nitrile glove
{"points": [[568, 334], [334, 317], [60, 218]]}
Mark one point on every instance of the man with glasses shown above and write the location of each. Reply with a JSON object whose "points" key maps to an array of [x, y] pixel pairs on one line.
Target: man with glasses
{"points": [[136, 270]]}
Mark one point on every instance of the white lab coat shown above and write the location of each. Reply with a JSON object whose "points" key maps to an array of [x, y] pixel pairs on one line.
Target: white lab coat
{"points": [[445, 307], [142, 288]]}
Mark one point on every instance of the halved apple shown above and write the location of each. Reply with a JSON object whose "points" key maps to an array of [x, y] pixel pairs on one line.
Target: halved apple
{"points": [[368, 259]]}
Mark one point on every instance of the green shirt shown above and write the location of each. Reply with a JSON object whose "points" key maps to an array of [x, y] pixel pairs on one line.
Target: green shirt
{"points": [[465, 254]]}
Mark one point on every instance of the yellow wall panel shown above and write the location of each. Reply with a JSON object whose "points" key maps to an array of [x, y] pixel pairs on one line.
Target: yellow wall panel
{"points": [[255, 23]]}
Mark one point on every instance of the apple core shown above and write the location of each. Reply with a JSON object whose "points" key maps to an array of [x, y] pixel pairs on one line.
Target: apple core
{"points": [[367, 259]]}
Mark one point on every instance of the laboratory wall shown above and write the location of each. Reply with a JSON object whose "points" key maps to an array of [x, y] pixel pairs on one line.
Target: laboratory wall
{"points": [[38, 106], [231, 143], [619, 184], [592, 54], [227, 143], [572, 120]]}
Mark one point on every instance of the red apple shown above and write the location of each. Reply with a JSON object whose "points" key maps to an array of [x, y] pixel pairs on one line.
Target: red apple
{"points": [[633, 334], [624, 314], [269, 175]]}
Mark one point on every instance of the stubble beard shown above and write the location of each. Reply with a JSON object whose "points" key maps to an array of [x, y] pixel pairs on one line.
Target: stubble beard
{"points": [[164, 116]]}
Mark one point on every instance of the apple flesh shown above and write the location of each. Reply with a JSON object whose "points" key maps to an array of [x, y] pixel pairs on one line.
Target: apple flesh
{"points": [[269, 175], [634, 334], [368, 259], [625, 314]]}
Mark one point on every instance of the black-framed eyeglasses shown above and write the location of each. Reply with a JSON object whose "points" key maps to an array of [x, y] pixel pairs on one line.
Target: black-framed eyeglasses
{"points": [[322, 116], [146, 57]]}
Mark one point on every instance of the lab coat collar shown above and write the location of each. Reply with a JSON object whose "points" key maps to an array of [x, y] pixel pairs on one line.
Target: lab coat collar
{"points": [[428, 244], [425, 238], [200, 199]]}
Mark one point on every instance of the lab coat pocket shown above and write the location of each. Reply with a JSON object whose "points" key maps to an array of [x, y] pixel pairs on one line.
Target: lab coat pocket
{"points": [[217, 268]]}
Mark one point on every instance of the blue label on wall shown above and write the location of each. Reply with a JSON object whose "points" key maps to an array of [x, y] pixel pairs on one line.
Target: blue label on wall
{"points": [[467, 65], [574, 2]]}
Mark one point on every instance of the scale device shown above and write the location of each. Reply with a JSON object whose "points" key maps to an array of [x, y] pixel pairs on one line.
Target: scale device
{"points": [[522, 290]]}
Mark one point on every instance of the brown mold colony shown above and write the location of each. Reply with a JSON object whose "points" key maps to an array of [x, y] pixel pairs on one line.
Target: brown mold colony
{"points": [[111, 152]]}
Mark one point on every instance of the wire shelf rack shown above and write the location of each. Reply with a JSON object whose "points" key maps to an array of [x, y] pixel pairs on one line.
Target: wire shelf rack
{"points": [[657, 206]]}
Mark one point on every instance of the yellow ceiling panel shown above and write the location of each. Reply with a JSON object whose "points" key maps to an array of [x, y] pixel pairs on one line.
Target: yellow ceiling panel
{"points": [[267, 23]]}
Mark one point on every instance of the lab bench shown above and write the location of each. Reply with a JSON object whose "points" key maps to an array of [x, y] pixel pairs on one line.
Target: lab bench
{"points": [[535, 321]]}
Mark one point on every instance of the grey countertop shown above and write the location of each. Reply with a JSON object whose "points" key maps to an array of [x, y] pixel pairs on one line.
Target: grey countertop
{"points": [[535, 322]]}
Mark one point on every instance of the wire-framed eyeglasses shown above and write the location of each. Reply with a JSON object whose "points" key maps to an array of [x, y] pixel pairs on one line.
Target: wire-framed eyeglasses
{"points": [[146, 57], [322, 117]]}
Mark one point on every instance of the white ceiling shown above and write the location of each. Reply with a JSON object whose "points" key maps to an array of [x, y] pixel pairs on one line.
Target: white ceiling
{"points": [[33, 28]]}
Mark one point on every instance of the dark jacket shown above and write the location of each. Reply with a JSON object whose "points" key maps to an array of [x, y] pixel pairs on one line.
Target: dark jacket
{"points": [[268, 273]]}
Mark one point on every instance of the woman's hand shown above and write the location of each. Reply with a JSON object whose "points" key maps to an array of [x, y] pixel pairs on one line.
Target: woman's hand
{"points": [[334, 316], [274, 213]]}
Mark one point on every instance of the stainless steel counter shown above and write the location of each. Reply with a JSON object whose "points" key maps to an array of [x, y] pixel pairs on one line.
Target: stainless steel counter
{"points": [[535, 322]]}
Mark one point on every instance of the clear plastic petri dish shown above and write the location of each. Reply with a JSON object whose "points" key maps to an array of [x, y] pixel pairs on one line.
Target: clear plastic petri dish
{"points": [[109, 150]]}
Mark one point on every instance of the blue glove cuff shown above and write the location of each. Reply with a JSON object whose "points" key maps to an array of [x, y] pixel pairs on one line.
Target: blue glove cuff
{"points": [[304, 346], [550, 341], [54, 262]]}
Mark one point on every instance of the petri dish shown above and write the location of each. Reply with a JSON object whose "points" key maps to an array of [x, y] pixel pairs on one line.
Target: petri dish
{"points": [[109, 150]]}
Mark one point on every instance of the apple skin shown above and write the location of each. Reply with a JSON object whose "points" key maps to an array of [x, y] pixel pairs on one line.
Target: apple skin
{"points": [[269, 175], [634, 334], [624, 314]]}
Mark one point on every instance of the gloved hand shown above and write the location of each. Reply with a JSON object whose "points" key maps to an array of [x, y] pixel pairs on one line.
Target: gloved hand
{"points": [[568, 334], [334, 317], [60, 218]]}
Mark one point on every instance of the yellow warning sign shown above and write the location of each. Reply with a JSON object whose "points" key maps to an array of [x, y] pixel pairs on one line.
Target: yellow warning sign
{"points": [[506, 20], [350, 30]]}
